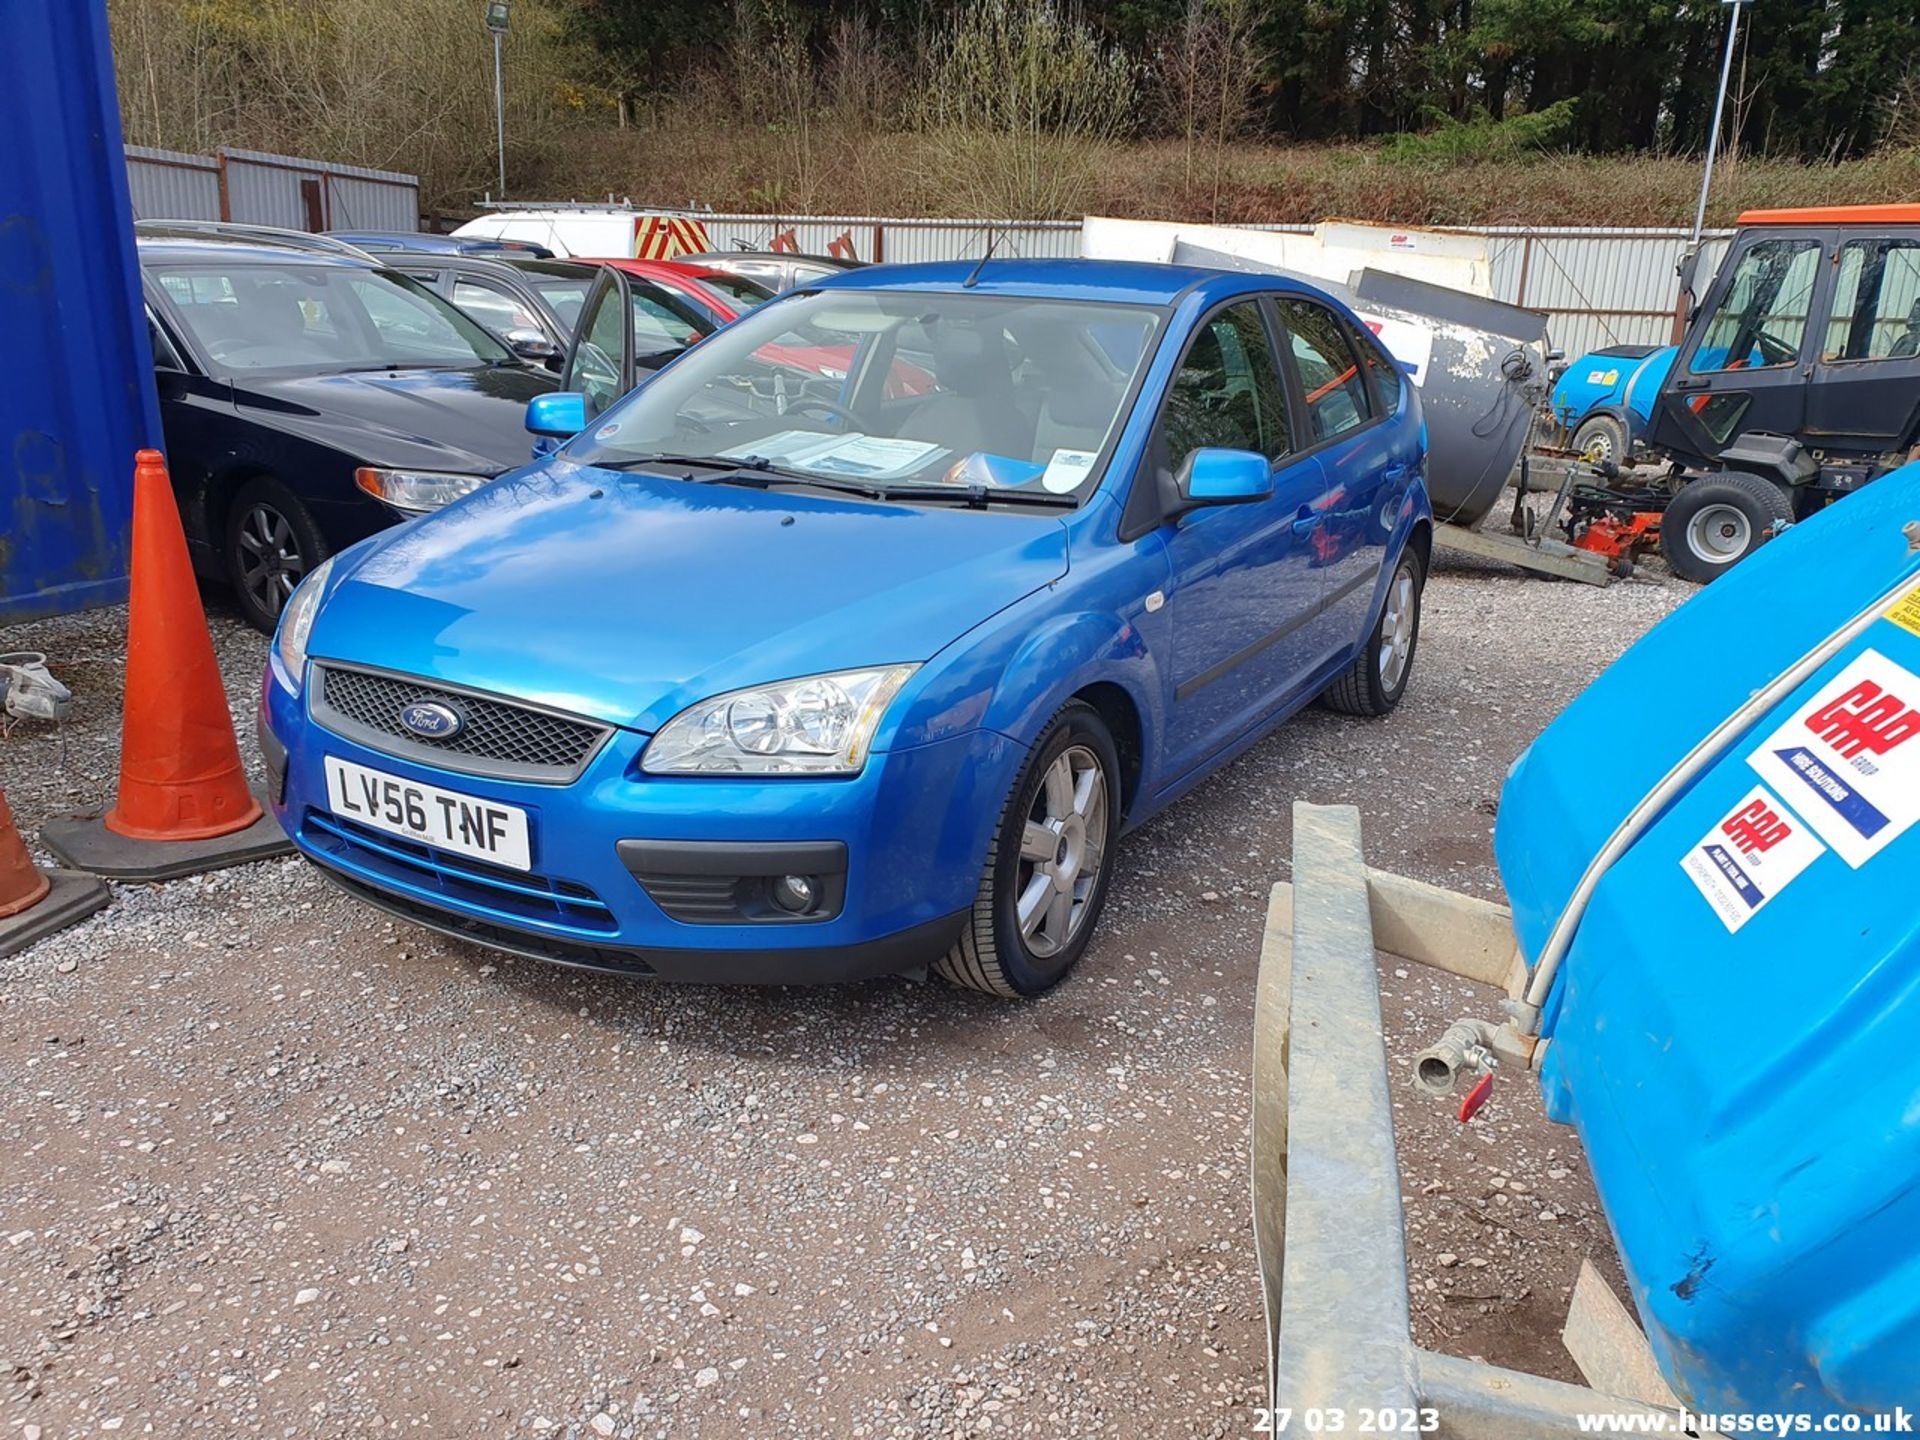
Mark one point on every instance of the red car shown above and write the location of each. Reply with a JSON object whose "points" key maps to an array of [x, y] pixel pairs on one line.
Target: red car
{"points": [[673, 306]]}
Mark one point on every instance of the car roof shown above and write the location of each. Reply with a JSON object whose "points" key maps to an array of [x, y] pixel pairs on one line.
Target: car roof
{"points": [[186, 246], [1836, 215], [233, 233], [1122, 281], [659, 269], [833, 261]]}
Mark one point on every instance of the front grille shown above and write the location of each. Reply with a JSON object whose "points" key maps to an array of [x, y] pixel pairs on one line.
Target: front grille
{"points": [[502, 738], [379, 855]]}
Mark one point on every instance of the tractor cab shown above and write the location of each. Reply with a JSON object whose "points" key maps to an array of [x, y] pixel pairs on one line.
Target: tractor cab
{"points": [[1797, 382]]}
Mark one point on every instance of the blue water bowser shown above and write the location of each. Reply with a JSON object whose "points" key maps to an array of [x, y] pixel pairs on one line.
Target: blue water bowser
{"points": [[1734, 1026]]}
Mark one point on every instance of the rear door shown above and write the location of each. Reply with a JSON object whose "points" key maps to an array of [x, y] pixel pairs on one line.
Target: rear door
{"points": [[1866, 383], [1245, 587], [1747, 359], [1345, 383]]}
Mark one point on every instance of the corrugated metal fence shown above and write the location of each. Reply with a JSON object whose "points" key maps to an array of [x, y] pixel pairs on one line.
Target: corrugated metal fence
{"points": [[1597, 286], [256, 188]]}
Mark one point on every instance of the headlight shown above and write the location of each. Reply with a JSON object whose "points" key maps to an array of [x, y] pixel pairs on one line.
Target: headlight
{"points": [[296, 621], [416, 491], [816, 725]]}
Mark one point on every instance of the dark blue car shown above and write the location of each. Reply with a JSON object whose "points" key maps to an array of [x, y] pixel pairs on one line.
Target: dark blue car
{"points": [[853, 640]]}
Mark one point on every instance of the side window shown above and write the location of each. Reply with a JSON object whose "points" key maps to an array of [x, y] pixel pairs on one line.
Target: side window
{"points": [[594, 367], [1384, 375], [1227, 393], [165, 357], [1876, 302], [660, 331], [1762, 318], [494, 307], [1330, 378]]}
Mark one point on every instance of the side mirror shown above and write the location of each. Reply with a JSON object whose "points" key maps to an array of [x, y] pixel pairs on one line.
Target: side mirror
{"points": [[1224, 477], [559, 416], [531, 345]]}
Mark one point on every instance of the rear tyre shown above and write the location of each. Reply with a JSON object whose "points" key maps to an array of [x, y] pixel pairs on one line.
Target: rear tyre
{"points": [[271, 544], [1047, 868], [1718, 520], [1603, 437], [1373, 684]]}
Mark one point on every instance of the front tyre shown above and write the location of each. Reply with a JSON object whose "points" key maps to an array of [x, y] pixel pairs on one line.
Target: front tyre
{"points": [[1377, 678], [271, 543], [1716, 521], [1047, 868]]}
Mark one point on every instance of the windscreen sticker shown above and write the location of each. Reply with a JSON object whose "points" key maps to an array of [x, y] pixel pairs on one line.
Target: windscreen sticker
{"points": [[1750, 856], [1066, 470], [1849, 759], [1905, 612]]}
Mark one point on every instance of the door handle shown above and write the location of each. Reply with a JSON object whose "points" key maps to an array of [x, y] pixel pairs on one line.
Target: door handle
{"points": [[1305, 520], [1394, 474], [1689, 384]]}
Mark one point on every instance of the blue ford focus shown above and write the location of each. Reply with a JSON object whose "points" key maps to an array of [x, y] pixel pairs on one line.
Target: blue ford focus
{"points": [[853, 641]]}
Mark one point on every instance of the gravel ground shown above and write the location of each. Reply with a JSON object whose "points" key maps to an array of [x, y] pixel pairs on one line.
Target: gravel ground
{"points": [[279, 1165]]}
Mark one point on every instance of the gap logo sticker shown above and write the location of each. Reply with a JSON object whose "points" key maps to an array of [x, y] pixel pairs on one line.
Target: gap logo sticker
{"points": [[1755, 851], [1849, 759]]}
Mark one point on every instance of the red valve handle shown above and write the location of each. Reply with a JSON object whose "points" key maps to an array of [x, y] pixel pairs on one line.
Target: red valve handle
{"points": [[1476, 1097]]}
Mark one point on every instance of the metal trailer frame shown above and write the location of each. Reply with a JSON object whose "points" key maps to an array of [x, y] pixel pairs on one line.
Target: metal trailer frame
{"points": [[1328, 1228]]}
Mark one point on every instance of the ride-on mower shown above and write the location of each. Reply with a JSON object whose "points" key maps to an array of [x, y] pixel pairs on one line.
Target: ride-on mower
{"points": [[1797, 382]]}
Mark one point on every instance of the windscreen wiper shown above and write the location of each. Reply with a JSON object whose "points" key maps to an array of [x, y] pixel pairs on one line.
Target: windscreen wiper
{"points": [[979, 497]]}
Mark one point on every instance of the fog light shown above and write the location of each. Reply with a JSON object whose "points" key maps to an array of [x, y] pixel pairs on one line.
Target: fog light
{"points": [[795, 893]]}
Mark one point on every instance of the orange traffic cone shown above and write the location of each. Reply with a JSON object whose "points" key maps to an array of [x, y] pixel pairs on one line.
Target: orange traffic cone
{"points": [[183, 804], [33, 902], [21, 885]]}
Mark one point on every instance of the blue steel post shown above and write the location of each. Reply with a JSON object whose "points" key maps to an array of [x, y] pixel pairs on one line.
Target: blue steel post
{"points": [[79, 400]]}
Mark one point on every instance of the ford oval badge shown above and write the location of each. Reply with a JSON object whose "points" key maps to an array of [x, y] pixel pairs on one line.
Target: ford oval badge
{"points": [[431, 720]]}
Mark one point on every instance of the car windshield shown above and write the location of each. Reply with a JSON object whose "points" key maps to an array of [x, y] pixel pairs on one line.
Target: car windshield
{"points": [[249, 316], [741, 293], [896, 388], [565, 293]]}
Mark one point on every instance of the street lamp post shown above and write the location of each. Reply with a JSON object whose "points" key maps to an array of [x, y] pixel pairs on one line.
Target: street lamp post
{"points": [[1719, 107], [497, 23]]}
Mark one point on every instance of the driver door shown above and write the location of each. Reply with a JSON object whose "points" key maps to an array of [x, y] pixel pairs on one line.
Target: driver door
{"points": [[628, 329], [1745, 363]]}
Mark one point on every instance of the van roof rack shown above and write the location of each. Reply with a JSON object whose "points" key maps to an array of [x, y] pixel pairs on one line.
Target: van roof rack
{"points": [[610, 203]]}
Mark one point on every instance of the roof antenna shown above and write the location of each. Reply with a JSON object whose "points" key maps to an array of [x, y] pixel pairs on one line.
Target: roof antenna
{"points": [[992, 240]]}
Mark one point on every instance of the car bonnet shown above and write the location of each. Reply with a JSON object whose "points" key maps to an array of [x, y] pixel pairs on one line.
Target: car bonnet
{"points": [[628, 597]]}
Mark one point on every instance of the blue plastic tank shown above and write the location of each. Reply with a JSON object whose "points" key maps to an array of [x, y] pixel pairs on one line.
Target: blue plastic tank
{"points": [[1735, 1032]]}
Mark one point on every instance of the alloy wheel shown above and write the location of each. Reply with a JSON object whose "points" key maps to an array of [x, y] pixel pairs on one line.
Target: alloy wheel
{"points": [[1061, 851], [1397, 629], [271, 562]]}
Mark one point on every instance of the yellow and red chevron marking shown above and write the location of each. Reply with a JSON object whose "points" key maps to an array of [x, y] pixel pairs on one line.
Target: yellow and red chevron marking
{"points": [[662, 237]]}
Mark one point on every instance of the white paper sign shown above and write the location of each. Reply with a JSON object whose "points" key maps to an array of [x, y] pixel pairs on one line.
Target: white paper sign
{"points": [[1067, 469], [1849, 759], [1758, 847]]}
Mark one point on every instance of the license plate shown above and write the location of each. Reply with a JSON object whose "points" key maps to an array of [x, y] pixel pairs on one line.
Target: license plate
{"points": [[445, 819]]}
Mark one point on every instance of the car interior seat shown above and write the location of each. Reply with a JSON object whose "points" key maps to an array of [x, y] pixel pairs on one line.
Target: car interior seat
{"points": [[972, 406]]}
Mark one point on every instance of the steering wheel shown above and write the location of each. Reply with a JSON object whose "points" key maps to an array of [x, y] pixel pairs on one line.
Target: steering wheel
{"points": [[809, 402], [1773, 350]]}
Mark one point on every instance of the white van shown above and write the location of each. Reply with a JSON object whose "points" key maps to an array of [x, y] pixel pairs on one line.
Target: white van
{"points": [[595, 231]]}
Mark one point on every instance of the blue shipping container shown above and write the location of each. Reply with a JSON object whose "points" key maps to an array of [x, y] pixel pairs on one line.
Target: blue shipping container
{"points": [[77, 399]]}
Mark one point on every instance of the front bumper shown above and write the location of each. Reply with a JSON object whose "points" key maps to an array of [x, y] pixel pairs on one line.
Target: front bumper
{"points": [[619, 857]]}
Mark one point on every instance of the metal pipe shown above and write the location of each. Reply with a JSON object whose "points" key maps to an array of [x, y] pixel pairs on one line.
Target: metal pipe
{"points": [[1719, 105], [1560, 939], [1467, 1047]]}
